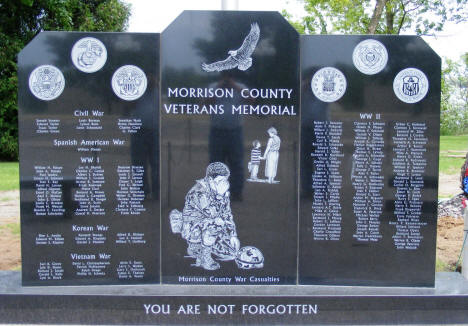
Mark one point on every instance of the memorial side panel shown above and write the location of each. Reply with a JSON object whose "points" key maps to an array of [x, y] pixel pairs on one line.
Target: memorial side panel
{"points": [[369, 160], [89, 158]]}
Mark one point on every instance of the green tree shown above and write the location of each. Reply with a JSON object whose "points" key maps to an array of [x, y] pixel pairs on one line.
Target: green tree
{"points": [[21, 20], [454, 100], [378, 16]]}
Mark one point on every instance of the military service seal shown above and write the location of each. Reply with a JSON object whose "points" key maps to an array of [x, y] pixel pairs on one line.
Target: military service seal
{"points": [[370, 57], [129, 82], [410, 85], [46, 82], [328, 84], [89, 54]]}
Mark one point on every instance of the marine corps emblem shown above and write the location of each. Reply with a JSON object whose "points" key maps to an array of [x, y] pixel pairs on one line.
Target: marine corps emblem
{"points": [[328, 84], [410, 85], [370, 57], [46, 82], [129, 82], [89, 54]]}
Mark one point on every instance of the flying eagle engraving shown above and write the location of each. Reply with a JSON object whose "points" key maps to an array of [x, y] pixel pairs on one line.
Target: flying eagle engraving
{"points": [[240, 58]]}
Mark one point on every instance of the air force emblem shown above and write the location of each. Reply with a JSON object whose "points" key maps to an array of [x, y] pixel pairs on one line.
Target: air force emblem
{"points": [[46, 82], [129, 82], [410, 85], [328, 84]]}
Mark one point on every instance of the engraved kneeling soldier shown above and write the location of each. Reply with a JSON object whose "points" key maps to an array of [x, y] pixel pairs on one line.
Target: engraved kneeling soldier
{"points": [[206, 222]]}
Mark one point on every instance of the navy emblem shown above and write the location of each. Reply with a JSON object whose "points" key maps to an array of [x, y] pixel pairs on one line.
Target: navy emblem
{"points": [[129, 82], [328, 84], [46, 82], [89, 54], [410, 85], [370, 57]]}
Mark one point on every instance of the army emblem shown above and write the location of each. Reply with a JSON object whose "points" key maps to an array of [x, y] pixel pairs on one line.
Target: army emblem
{"points": [[89, 54], [129, 82], [370, 57], [328, 84], [46, 82], [410, 85]]}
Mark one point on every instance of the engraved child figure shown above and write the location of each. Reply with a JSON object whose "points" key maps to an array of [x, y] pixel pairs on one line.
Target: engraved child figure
{"points": [[206, 222], [254, 163]]}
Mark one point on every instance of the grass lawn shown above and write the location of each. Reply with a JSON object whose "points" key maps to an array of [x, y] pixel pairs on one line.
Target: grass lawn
{"points": [[443, 267], [452, 145], [9, 175], [12, 227]]}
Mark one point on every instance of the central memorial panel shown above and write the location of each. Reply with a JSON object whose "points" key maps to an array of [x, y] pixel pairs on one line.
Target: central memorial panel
{"points": [[229, 148]]}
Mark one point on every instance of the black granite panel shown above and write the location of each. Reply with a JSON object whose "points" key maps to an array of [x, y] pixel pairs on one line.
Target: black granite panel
{"points": [[89, 158], [370, 108], [230, 96]]}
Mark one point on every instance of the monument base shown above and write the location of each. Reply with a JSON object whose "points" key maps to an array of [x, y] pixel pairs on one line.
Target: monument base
{"points": [[178, 304]]}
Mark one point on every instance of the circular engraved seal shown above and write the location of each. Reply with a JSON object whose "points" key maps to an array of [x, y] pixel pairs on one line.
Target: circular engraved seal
{"points": [[89, 54], [370, 57], [46, 82], [129, 82], [328, 84], [410, 85]]}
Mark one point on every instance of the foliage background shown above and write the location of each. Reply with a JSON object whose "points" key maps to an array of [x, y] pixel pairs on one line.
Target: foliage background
{"points": [[454, 100], [420, 17], [21, 21]]}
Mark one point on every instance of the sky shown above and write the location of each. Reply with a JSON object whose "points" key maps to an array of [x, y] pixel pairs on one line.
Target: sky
{"points": [[155, 15]]}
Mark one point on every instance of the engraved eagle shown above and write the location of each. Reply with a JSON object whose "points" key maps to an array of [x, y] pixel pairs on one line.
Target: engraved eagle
{"points": [[240, 58]]}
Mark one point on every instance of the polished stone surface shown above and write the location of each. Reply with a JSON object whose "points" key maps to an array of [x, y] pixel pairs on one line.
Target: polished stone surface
{"points": [[357, 150], [240, 108], [89, 211], [214, 112], [447, 303], [446, 284]]}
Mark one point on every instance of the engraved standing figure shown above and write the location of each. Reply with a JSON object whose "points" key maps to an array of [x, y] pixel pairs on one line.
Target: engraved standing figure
{"points": [[240, 58], [271, 155], [254, 163]]}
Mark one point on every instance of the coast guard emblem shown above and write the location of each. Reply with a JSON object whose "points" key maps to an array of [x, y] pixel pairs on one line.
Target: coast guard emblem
{"points": [[370, 57], [410, 85], [328, 84], [46, 82], [89, 54], [129, 82]]}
